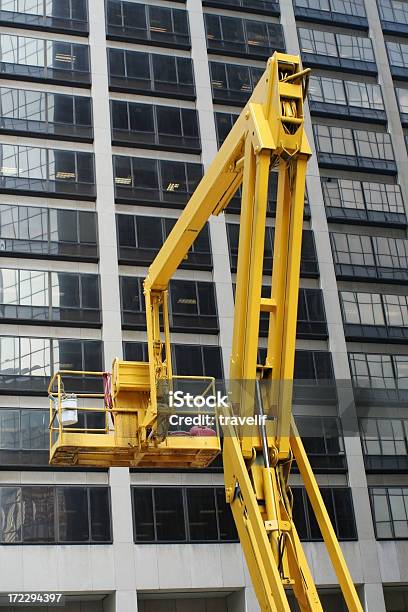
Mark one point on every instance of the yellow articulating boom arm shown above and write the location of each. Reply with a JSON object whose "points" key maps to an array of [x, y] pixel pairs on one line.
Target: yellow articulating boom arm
{"points": [[268, 133]]}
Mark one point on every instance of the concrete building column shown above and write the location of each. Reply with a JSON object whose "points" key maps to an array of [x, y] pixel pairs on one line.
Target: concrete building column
{"points": [[218, 231], [125, 597]]}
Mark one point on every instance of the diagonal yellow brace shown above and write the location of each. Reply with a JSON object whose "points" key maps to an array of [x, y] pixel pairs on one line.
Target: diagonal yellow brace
{"points": [[333, 547]]}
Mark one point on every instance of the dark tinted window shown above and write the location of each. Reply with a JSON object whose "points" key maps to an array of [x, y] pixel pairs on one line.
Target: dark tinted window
{"points": [[50, 515], [154, 126], [192, 305], [58, 296], [164, 75], [390, 512], [188, 359], [145, 180], [39, 170], [69, 15], [349, 49], [48, 60], [44, 113], [156, 25], [339, 505], [192, 514], [27, 363], [140, 238], [234, 36], [370, 256]]}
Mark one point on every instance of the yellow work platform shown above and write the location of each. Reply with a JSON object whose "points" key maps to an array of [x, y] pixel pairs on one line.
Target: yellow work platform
{"points": [[121, 440]]}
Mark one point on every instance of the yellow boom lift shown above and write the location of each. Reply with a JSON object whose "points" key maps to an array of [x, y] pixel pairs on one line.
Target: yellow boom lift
{"points": [[269, 132]]}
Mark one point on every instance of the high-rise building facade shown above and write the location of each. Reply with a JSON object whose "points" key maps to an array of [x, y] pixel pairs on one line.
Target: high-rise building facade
{"points": [[109, 114]]}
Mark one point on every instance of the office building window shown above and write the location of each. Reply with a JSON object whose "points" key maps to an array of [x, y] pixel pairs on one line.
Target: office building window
{"points": [[311, 320], [360, 308], [394, 17], [24, 435], [308, 265], [41, 514], [233, 83], [243, 37], [355, 47], [327, 90], [361, 143], [379, 378], [150, 73], [313, 365], [155, 127], [339, 504], [45, 114], [190, 514], [335, 140], [192, 305], [311, 315], [372, 151], [363, 201], [261, 7], [67, 16], [394, 11], [27, 363], [148, 24], [373, 144], [350, 13], [353, 250], [398, 58], [44, 60], [338, 51], [314, 378], [187, 359], [47, 232], [402, 98], [390, 512], [223, 125], [323, 441], [385, 444], [384, 436], [372, 371], [61, 297], [23, 429], [343, 7], [146, 181], [396, 310], [397, 54], [363, 96], [140, 239], [374, 316], [59, 173], [317, 42]]}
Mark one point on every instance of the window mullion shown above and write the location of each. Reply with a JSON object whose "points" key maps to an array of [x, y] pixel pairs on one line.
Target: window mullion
{"points": [[159, 176], [153, 497], [155, 125], [216, 514], [147, 18], [88, 505], [306, 512], [186, 515], [390, 514], [56, 516], [49, 275], [336, 523]]}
